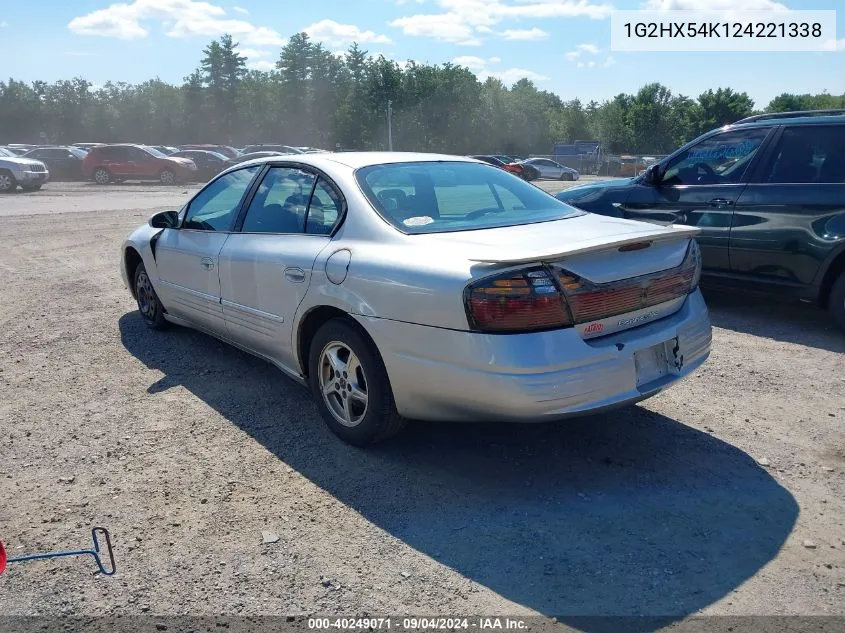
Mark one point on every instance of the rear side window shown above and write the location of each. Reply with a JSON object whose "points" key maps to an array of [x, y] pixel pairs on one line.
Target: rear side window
{"points": [[281, 202], [808, 154]]}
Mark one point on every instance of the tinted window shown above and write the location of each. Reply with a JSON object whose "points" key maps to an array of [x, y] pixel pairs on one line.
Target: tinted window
{"points": [[324, 209], [214, 208], [809, 154], [429, 197], [722, 158], [280, 203]]}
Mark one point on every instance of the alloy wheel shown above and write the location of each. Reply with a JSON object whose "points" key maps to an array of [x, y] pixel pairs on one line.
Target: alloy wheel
{"points": [[167, 177], [343, 384], [101, 177], [6, 183], [147, 301]]}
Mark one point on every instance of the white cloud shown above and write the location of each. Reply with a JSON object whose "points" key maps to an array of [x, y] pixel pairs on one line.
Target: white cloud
{"points": [[253, 53], [712, 5], [336, 34], [3, 24], [512, 75], [240, 10], [582, 49], [262, 64], [447, 27], [494, 60], [401, 2], [463, 17], [834, 45], [524, 34], [609, 62], [471, 62], [181, 18]]}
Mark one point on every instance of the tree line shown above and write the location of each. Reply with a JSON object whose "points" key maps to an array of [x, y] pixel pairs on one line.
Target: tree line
{"points": [[318, 98]]}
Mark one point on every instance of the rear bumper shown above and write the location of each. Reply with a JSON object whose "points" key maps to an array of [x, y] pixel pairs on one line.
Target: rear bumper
{"points": [[439, 374]]}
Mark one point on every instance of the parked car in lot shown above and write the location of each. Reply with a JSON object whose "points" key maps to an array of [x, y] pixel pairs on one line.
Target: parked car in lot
{"points": [[15, 170], [209, 164], [167, 150], [247, 157], [19, 149], [401, 285], [524, 172], [272, 147], [550, 169], [227, 150], [116, 163], [768, 194], [87, 146], [63, 163]]}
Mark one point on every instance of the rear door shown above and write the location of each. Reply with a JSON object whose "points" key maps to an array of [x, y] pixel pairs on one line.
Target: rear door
{"points": [[788, 219], [266, 266], [187, 257], [699, 187]]}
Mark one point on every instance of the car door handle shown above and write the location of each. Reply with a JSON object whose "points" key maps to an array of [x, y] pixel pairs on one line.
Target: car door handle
{"points": [[296, 275], [207, 263], [720, 203]]}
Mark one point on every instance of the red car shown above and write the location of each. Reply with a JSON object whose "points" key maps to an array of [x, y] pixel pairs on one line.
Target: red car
{"points": [[115, 163]]}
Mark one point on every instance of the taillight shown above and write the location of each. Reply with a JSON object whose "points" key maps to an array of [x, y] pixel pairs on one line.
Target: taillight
{"points": [[517, 301], [591, 302]]}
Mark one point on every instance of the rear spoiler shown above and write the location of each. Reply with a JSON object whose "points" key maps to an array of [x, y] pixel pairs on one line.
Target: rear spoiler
{"points": [[601, 243]]}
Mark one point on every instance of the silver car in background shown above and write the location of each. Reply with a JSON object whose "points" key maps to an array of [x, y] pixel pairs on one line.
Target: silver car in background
{"points": [[418, 286], [552, 170]]}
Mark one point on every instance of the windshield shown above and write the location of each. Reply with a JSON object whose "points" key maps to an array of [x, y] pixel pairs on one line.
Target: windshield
{"points": [[79, 153], [5, 152], [439, 197], [155, 152]]}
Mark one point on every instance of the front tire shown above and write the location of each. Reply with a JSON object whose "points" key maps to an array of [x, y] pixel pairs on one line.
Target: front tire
{"points": [[350, 385], [102, 176], [836, 301], [167, 177], [149, 304], [8, 184]]}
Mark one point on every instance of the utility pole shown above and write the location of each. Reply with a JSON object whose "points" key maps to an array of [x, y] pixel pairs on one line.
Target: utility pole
{"points": [[390, 125]]}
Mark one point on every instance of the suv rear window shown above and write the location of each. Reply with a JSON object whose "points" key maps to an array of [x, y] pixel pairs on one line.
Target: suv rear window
{"points": [[439, 197]]}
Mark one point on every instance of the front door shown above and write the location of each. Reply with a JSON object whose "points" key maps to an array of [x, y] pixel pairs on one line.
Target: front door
{"points": [[699, 187], [266, 266], [187, 258]]}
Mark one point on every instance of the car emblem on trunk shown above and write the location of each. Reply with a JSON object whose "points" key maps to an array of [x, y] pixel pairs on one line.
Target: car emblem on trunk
{"points": [[594, 328]]}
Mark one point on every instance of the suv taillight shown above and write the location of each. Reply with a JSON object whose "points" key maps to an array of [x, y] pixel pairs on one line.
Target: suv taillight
{"points": [[517, 301]]}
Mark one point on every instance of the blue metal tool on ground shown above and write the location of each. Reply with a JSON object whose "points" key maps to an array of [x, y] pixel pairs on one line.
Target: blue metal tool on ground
{"points": [[96, 534]]}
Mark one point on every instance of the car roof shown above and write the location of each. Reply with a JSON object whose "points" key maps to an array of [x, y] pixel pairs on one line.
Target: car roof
{"points": [[356, 160], [790, 118]]}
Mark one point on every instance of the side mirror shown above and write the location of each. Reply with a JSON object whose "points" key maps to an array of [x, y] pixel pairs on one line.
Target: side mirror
{"points": [[651, 176], [165, 220]]}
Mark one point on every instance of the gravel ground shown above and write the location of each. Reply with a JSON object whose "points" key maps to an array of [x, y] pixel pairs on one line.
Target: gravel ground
{"points": [[224, 492]]}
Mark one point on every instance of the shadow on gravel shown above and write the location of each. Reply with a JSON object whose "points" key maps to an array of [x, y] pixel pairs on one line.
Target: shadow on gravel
{"points": [[628, 513], [790, 322]]}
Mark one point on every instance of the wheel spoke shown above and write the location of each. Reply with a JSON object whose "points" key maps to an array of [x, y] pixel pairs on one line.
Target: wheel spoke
{"points": [[329, 386], [347, 409], [337, 364], [358, 394]]}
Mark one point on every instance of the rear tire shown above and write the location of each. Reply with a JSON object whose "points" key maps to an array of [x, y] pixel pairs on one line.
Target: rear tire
{"points": [[102, 176], [8, 184], [149, 304], [350, 385], [836, 301]]}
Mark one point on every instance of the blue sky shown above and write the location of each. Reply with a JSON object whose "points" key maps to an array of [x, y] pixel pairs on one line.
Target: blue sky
{"points": [[563, 45]]}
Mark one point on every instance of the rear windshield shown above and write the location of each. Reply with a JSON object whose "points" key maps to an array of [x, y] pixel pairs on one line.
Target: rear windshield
{"points": [[440, 197]]}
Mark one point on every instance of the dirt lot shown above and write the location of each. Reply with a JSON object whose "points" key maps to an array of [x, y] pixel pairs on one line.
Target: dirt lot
{"points": [[725, 495]]}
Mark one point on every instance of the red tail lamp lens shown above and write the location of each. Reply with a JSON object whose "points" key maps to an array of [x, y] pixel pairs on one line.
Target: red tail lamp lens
{"points": [[523, 300]]}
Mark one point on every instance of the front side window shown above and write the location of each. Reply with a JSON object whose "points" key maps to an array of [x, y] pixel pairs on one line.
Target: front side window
{"points": [[719, 159], [281, 202], [214, 208], [809, 154], [438, 197]]}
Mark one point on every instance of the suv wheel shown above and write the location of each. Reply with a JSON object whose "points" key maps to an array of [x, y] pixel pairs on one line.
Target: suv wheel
{"points": [[836, 301], [7, 182], [102, 176]]}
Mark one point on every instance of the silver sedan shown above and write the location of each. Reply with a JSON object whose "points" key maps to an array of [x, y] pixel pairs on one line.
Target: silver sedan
{"points": [[418, 286], [551, 169]]}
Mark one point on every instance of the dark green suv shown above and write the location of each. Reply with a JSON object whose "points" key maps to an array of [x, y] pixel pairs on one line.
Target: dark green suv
{"points": [[768, 194]]}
